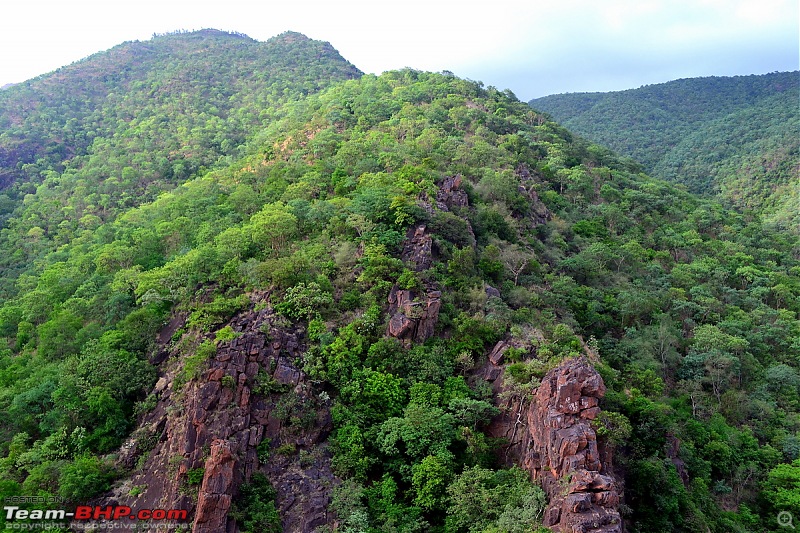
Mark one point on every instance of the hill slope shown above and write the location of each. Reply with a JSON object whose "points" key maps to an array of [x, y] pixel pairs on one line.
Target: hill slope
{"points": [[112, 131], [328, 322], [737, 137], [348, 274]]}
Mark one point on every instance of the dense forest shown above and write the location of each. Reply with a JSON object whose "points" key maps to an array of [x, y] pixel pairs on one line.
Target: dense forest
{"points": [[196, 178], [106, 134], [737, 137]]}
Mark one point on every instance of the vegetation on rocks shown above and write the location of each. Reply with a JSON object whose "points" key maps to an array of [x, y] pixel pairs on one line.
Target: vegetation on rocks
{"points": [[560, 244]]}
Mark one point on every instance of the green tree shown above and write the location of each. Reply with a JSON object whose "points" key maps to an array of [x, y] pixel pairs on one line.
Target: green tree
{"points": [[83, 478], [781, 489], [429, 479], [273, 226], [255, 509]]}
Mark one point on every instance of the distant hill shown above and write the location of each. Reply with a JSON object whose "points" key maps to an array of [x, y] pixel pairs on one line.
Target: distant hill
{"points": [[116, 129], [196, 95], [738, 137]]}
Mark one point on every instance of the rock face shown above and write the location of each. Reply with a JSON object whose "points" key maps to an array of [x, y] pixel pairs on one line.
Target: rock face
{"points": [[551, 436], [538, 213], [413, 318], [214, 498], [413, 314], [418, 249], [450, 194], [251, 391]]}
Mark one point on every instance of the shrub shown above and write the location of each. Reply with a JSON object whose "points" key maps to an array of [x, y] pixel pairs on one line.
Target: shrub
{"points": [[286, 449], [255, 510], [194, 364], [303, 301], [85, 477], [225, 334], [195, 476], [263, 450], [409, 280], [216, 312]]}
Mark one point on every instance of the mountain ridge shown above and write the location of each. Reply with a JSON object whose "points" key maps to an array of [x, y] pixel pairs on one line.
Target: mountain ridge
{"points": [[711, 134], [145, 116]]}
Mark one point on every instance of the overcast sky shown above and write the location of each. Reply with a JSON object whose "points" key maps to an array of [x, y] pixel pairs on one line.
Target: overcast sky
{"points": [[533, 47]]}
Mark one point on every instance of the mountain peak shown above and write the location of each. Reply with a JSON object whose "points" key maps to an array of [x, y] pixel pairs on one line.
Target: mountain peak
{"points": [[203, 33], [289, 37]]}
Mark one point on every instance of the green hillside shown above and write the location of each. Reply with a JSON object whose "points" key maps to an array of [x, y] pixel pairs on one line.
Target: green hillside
{"points": [[112, 131], [736, 137], [311, 198]]}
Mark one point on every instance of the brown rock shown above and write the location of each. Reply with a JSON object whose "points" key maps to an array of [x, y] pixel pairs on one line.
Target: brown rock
{"points": [[552, 438], [587, 402], [496, 355], [413, 319], [244, 399], [401, 326], [492, 374], [578, 503], [491, 292], [590, 413], [417, 250], [214, 498], [286, 374], [538, 213], [450, 194], [230, 422], [252, 370]]}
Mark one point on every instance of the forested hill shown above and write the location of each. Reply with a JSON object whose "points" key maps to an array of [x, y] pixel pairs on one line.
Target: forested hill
{"points": [[111, 131], [298, 291], [735, 136]]}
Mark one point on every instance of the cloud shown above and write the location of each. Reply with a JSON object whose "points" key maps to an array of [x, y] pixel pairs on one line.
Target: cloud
{"points": [[601, 46]]}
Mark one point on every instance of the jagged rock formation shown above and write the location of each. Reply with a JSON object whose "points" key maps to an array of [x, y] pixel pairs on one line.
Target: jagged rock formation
{"points": [[538, 213], [418, 249], [551, 436], [450, 194], [413, 318], [413, 314], [214, 499], [673, 449], [251, 391]]}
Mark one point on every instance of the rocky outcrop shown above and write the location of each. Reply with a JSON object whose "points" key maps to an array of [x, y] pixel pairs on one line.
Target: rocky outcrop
{"points": [[214, 498], [413, 315], [673, 449], [450, 194], [250, 392], [550, 435], [418, 249], [538, 213]]}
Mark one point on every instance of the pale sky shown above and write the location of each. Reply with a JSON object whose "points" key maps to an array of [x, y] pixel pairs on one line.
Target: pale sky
{"points": [[533, 47]]}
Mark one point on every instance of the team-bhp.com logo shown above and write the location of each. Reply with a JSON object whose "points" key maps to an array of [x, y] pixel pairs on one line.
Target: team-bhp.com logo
{"points": [[109, 514]]}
